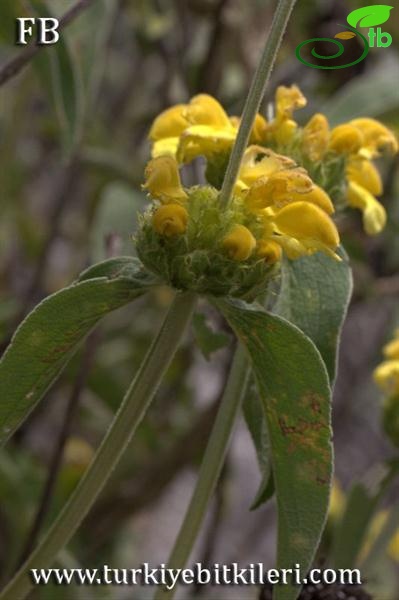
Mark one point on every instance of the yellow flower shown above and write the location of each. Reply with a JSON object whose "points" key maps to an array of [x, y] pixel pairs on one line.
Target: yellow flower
{"points": [[259, 130], [316, 195], [163, 180], [259, 162], [315, 137], [301, 228], [239, 243], [346, 139], [374, 215], [376, 137], [277, 190], [288, 100], [186, 131], [391, 350], [170, 220], [364, 173]]}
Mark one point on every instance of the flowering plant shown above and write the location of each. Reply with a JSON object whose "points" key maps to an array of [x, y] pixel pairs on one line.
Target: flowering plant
{"points": [[257, 237]]}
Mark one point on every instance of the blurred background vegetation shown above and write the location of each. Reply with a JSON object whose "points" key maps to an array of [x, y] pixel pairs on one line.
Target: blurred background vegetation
{"points": [[73, 145]]}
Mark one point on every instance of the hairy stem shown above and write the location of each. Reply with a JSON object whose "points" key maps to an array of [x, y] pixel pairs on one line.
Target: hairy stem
{"points": [[211, 466], [255, 96], [130, 414]]}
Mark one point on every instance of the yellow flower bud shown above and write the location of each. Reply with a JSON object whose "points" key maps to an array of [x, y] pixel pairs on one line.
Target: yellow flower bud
{"points": [[268, 250], [315, 137], [364, 173], [239, 243], [170, 220], [283, 131], [163, 180], [346, 139], [374, 215]]}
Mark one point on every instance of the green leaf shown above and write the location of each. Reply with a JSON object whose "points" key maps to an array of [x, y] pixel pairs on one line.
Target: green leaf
{"points": [[208, 340], [58, 72], [49, 336], [369, 16], [314, 296], [294, 388], [255, 418]]}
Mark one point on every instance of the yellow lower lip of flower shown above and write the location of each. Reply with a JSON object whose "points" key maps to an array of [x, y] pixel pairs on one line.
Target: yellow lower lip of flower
{"points": [[165, 146], [374, 215], [239, 243], [204, 140], [364, 173], [170, 220], [277, 190]]}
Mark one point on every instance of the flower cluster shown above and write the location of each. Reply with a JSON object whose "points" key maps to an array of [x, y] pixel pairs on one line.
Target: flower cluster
{"points": [[339, 160], [286, 192], [386, 376]]}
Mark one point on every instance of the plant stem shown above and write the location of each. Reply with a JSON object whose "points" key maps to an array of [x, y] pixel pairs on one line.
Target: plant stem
{"points": [[255, 96], [131, 412], [211, 466]]}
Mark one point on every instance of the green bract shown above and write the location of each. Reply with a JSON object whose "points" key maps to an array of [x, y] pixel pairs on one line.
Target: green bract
{"points": [[196, 260]]}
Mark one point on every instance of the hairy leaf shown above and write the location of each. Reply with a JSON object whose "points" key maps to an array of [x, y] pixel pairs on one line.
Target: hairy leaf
{"points": [[293, 385], [314, 296], [51, 333]]}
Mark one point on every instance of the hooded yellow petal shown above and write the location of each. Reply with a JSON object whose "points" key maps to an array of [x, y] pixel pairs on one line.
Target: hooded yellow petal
{"points": [[205, 110], [163, 180], [346, 139], [315, 196], [170, 220], [288, 99], [239, 243], [364, 173], [374, 215], [376, 136], [204, 140], [169, 124], [315, 137], [309, 225]]}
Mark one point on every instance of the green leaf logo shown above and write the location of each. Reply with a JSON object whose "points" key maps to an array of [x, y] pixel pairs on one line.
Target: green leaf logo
{"points": [[369, 16]]}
